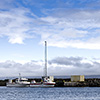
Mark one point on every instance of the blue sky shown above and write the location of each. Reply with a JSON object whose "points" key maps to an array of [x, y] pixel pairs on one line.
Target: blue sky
{"points": [[70, 27]]}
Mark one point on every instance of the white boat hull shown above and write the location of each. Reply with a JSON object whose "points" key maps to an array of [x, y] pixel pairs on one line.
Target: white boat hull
{"points": [[16, 85], [42, 85]]}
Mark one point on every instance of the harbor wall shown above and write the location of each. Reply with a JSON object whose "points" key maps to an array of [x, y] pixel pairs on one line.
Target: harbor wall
{"points": [[90, 82], [94, 82]]}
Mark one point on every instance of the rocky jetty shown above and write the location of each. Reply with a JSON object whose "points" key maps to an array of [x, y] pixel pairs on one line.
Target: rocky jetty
{"points": [[91, 82], [94, 82]]}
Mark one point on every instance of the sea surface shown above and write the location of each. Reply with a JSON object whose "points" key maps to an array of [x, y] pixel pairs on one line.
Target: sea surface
{"points": [[65, 93]]}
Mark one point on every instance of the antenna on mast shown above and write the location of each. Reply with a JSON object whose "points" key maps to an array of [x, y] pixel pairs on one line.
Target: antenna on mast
{"points": [[45, 59]]}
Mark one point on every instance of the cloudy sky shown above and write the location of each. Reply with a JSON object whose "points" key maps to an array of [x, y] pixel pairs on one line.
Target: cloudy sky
{"points": [[70, 27]]}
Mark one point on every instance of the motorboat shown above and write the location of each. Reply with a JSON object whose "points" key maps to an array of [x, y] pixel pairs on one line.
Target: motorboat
{"points": [[19, 82]]}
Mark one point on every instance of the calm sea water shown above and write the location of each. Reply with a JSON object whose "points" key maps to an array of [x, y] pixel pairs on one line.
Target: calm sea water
{"points": [[68, 93]]}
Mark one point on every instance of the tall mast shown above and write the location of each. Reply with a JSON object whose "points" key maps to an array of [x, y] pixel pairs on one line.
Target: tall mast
{"points": [[45, 59]]}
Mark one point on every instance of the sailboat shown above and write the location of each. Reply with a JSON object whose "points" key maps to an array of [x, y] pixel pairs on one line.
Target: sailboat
{"points": [[47, 80]]}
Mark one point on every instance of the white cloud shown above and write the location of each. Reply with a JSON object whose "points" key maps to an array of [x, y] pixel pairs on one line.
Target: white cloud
{"points": [[72, 66], [57, 66], [16, 25], [11, 68], [67, 28], [60, 27]]}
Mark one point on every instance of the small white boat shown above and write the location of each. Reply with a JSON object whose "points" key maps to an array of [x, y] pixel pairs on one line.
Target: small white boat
{"points": [[46, 83], [19, 82]]}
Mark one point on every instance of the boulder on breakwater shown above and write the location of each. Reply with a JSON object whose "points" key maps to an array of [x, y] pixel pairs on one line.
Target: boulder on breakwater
{"points": [[3, 82], [95, 82]]}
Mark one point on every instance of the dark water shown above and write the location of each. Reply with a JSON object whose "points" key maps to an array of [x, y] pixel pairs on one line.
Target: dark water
{"points": [[68, 93]]}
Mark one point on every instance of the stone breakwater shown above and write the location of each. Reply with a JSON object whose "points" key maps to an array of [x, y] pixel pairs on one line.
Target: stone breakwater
{"points": [[94, 82], [91, 82]]}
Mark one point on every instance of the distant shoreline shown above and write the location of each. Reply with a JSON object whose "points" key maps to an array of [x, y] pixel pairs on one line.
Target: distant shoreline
{"points": [[63, 77]]}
